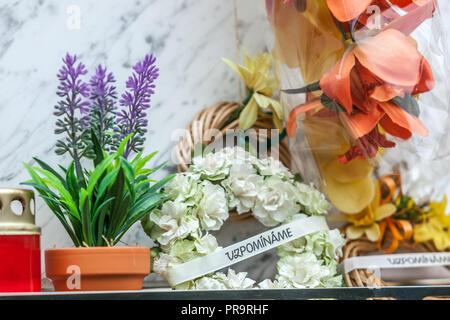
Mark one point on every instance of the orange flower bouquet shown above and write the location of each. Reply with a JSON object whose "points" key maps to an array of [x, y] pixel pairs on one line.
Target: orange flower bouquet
{"points": [[364, 91]]}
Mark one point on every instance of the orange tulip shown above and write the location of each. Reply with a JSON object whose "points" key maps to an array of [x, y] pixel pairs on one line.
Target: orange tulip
{"points": [[365, 82]]}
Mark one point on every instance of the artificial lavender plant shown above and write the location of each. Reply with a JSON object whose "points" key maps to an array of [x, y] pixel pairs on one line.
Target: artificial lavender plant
{"points": [[93, 106], [132, 118], [103, 97], [73, 112], [97, 207]]}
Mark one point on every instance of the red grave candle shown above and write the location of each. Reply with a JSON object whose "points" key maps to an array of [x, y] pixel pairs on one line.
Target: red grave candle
{"points": [[20, 256]]}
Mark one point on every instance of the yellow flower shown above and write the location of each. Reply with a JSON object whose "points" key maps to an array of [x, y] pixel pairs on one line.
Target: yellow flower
{"points": [[436, 227], [256, 74], [366, 222]]}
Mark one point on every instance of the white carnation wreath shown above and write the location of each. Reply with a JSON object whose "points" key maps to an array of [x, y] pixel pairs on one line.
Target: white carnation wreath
{"points": [[233, 179]]}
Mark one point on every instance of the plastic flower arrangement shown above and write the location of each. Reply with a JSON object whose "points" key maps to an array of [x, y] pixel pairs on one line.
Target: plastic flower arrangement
{"points": [[98, 206], [394, 212], [435, 226], [364, 87], [367, 222], [261, 85], [371, 95], [199, 202]]}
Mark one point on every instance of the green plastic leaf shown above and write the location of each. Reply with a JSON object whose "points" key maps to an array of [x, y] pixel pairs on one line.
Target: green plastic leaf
{"points": [[249, 115], [51, 199], [139, 211], [97, 148], [128, 169], [53, 204], [136, 158], [144, 181], [50, 169], [41, 187], [98, 172], [139, 164], [72, 183], [161, 183], [116, 191], [158, 167], [36, 178], [59, 204], [122, 145], [62, 168], [122, 216], [100, 208], [86, 222], [331, 104], [104, 184], [309, 88], [55, 183], [408, 103]]}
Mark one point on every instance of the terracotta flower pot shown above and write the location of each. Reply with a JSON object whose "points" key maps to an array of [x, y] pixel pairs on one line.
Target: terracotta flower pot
{"points": [[97, 268]]}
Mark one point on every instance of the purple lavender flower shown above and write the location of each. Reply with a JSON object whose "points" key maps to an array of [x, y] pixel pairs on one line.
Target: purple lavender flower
{"points": [[103, 97], [132, 118], [72, 110]]}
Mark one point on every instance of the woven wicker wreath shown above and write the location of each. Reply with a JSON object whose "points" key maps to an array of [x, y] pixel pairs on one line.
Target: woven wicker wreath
{"points": [[363, 246], [216, 117]]}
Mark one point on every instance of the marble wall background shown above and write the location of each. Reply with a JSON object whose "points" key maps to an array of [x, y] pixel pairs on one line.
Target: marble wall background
{"points": [[188, 36]]}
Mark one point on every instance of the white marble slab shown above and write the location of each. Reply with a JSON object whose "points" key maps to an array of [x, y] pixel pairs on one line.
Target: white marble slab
{"points": [[188, 36]]}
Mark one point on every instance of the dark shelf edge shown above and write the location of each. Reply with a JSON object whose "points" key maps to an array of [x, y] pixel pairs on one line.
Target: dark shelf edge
{"points": [[400, 293]]}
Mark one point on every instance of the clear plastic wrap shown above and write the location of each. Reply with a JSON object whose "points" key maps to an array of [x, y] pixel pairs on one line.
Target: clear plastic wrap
{"points": [[366, 94]]}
